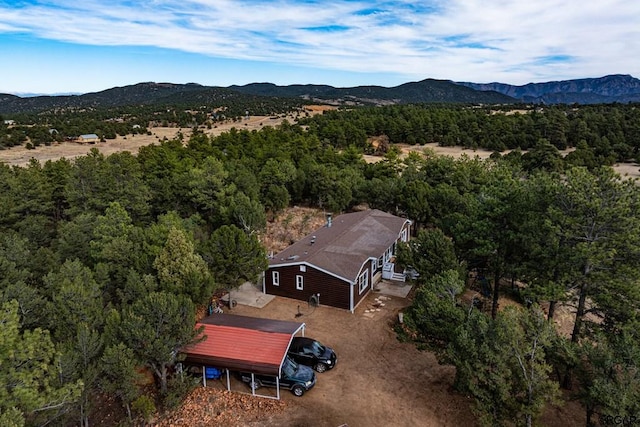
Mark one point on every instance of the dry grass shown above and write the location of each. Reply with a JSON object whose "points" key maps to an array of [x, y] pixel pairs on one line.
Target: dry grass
{"points": [[20, 156], [290, 226]]}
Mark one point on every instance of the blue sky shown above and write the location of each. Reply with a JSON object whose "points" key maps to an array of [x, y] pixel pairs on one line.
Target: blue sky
{"points": [[79, 46]]}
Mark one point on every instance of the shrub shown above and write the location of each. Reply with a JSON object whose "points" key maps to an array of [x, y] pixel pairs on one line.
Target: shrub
{"points": [[144, 407], [178, 388]]}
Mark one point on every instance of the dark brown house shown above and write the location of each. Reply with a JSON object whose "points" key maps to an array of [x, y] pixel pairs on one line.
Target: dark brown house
{"points": [[339, 263]]}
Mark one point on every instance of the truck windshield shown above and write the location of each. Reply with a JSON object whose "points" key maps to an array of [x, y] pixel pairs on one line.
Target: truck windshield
{"points": [[289, 367], [318, 349]]}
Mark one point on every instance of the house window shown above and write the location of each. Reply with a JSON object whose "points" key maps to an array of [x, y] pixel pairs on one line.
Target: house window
{"points": [[404, 235], [388, 253], [373, 265], [299, 282], [363, 281], [380, 261], [275, 278], [303, 268]]}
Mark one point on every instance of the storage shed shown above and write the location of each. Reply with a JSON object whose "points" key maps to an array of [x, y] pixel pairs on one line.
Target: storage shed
{"points": [[90, 138]]}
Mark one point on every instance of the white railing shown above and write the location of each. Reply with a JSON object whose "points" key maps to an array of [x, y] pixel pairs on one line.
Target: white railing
{"points": [[399, 277]]}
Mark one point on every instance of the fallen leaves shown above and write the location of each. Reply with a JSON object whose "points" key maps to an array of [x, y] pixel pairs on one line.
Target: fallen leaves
{"points": [[207, 406]]}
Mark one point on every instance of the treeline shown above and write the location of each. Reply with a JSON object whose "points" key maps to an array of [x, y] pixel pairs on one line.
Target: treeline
{"points": [[610, 132], [104, 262], [502, 244], [57, 125]]}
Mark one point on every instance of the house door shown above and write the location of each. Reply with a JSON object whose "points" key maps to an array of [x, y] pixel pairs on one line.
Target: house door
{"points": [[387, 270]]}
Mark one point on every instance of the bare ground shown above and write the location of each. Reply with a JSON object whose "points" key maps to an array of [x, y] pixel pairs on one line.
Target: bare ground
{"points": [[626, 170], [20, 156], [378, 381]]}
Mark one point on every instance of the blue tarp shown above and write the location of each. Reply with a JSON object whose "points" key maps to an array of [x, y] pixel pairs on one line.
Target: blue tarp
{"points": [[212, 373]]}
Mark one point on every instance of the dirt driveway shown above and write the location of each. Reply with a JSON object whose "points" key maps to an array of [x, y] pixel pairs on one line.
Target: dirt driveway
{"points": [[377, 381]]}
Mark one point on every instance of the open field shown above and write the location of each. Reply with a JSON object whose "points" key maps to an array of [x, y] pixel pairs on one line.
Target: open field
{"points": [[20, 156], [631, 170]]}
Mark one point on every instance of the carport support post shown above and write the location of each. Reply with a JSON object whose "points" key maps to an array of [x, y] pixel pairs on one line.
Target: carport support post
{"points": [[204, 376], [228, 381], [278, 388], [253, 383]]}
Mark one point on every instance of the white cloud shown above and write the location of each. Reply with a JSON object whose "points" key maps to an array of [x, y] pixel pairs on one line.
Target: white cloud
{"points": [[478, 40]]}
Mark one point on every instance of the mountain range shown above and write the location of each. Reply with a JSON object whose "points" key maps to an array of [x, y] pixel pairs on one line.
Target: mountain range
{"points": [[621, 88], [607, 89]]}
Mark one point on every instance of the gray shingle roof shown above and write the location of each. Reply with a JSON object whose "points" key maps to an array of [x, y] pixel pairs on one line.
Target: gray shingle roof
{"points": [[346, 245]]}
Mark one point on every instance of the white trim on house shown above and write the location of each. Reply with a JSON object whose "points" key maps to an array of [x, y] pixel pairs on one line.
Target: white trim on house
{"points": [[351, 287], [344, 279], [361, 242], [388, 254], [363, 281]]}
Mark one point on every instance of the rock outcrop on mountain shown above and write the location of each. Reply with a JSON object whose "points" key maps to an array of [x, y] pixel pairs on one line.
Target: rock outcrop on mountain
{"points": [[608, 89]]}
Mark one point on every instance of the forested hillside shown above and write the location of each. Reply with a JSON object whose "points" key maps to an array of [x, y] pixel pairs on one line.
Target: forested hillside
{"points": [[156, 96], [104, 261], [255, 97], [600, 135]]}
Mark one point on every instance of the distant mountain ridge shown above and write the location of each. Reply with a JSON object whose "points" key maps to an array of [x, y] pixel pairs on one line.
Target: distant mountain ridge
{"points": [[140, 93], [608, 89], [148, 93], [427, 91]]}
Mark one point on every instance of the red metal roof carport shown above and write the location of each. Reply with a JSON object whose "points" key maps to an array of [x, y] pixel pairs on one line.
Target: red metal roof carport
{"points": [[241, 343]]}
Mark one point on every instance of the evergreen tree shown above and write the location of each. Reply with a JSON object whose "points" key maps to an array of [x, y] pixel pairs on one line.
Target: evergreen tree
{"points": [[234, 256], [29, 388], [597, 217], [181, 270], [502, 364], [156, 328], [119, 375]]}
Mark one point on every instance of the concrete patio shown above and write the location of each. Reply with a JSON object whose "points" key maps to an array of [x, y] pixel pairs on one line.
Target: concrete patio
{"points": [[393, 288], [251, 295]]}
